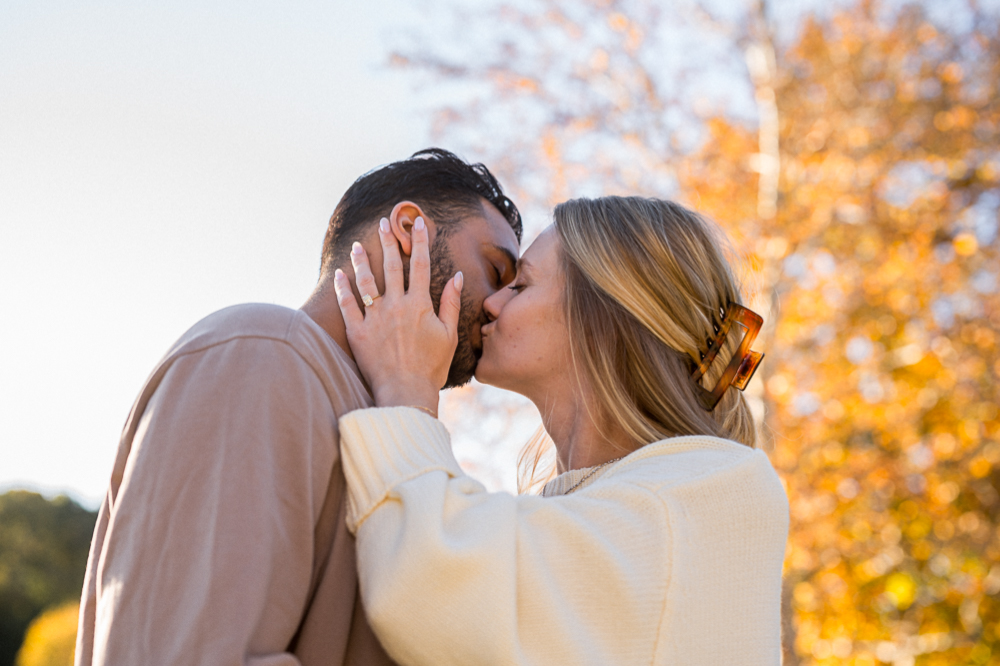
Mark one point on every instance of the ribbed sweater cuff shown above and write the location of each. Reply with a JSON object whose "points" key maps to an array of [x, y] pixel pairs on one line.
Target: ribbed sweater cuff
{"points": [[385, 446]]}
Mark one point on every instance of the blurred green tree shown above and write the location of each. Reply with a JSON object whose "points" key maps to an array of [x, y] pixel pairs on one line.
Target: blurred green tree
{"points": [[857, 167], [43, 557]]}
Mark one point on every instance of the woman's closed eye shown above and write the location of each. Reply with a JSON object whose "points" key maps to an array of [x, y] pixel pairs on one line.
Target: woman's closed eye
{"points": [[517, 287]]}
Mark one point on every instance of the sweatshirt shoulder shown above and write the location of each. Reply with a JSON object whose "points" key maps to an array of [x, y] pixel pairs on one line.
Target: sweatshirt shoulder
{"points": [[290, 329], [254, 320], [249, 320], [684, 464]]}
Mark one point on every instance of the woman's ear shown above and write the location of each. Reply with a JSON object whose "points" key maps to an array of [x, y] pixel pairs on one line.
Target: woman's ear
{"points": [[401, 220]]}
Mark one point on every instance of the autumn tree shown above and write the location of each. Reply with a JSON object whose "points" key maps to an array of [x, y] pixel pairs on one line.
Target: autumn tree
{"points": [[854, 159], [51, 637]]}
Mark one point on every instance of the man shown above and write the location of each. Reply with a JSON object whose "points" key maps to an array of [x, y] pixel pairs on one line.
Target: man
{"points": [[222, 539]]}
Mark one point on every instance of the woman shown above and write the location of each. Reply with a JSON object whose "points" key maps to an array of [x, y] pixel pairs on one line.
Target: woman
{"points": [[662, 539]]}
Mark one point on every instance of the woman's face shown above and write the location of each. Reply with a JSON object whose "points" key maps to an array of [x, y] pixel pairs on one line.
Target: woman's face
{"points": [[526, 343]]}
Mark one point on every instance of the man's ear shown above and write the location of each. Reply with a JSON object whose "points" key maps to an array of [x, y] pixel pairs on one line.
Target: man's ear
{"points": [[401, 220]]}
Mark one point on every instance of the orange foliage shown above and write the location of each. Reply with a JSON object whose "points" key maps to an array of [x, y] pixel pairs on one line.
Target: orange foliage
{"points": [[882, 383], [51, 638], [881, 380]]}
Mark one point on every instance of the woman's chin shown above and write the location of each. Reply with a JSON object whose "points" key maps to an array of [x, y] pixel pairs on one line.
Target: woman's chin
{"points": [[490, 369], [495, 377], [487, 371], [483, 374]]}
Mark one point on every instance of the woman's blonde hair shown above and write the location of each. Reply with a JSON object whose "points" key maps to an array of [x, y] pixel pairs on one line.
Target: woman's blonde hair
{"points": [[647, 282]]}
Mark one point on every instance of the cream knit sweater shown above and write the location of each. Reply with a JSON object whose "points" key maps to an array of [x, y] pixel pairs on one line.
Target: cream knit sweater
{"points": [[673, 556]]}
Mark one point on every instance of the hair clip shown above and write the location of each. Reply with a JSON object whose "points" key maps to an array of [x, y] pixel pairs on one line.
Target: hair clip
{"points": [[741, 366]]}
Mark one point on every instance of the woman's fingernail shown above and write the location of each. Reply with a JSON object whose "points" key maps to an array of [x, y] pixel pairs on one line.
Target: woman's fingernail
{"points": [[357, 249], [339, 275], [418, 223], [383, 224], [459, 280]]}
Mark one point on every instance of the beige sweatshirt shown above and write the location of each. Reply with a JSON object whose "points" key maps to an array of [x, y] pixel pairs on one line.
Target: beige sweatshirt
{"points": [[221, 540], [672, 556]]}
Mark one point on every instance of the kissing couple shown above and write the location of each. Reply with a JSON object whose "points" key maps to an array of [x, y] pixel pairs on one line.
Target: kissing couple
{"points": [[284, 494]]}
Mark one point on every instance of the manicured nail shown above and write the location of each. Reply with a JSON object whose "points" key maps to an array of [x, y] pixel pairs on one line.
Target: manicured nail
{"points": [[459, 280], [339, 275], [357, 249], [418, 223], [383, 224]]}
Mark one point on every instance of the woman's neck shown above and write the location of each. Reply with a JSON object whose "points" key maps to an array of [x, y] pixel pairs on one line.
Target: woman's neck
{"points": [[580, 438]]}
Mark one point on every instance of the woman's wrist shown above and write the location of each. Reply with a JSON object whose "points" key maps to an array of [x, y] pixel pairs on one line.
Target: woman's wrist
{"points": [[422, 396]]}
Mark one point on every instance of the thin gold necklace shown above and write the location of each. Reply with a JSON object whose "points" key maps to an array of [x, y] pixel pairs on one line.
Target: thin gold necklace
{"points": [[591, 473]]}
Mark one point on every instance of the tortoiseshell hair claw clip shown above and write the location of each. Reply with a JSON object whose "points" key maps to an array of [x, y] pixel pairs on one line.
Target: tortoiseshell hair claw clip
{"points": [[743, 363]]}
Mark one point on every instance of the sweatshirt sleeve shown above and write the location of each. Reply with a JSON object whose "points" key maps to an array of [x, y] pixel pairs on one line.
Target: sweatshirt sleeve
{"points": [[452, 574], [209, 550]]}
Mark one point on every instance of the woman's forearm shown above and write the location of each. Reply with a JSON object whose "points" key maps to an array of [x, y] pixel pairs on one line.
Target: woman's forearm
{"points": [[451, 574]]}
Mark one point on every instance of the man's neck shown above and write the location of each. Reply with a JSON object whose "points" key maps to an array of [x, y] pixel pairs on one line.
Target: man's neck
{"points": [[322, 307]]}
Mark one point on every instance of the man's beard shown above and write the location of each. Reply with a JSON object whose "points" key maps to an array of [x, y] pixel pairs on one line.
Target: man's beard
{"points": [[463, 365]]}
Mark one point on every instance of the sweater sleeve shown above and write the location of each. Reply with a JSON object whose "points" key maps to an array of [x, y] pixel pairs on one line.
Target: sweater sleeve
{"points": [[452, 574]]}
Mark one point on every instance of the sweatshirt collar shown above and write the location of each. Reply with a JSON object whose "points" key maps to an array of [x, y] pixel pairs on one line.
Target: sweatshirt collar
{"points": [[562, 483]]}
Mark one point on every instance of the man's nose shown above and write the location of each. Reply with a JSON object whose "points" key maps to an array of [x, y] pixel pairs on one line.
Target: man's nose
{"points": [[493, 304]]}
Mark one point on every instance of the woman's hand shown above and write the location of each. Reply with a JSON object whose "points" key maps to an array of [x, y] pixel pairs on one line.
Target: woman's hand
{"points": [[402, 348]]}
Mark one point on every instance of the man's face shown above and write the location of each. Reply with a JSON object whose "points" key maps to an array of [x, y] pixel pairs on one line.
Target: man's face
{"points": [[484, 248]]}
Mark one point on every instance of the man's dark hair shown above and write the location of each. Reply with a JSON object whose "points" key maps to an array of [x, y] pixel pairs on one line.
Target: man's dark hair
{"points": [[441, 183]]}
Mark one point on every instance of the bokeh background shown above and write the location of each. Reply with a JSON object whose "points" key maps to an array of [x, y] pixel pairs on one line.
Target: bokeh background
{"points": [[157, 164]]}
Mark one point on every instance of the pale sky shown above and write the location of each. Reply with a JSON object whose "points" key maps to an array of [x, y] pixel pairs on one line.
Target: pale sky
{"points": [[157, 164]]}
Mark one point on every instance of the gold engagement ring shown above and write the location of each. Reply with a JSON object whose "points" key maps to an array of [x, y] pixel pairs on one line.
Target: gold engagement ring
{"points": [[368, 300]]}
